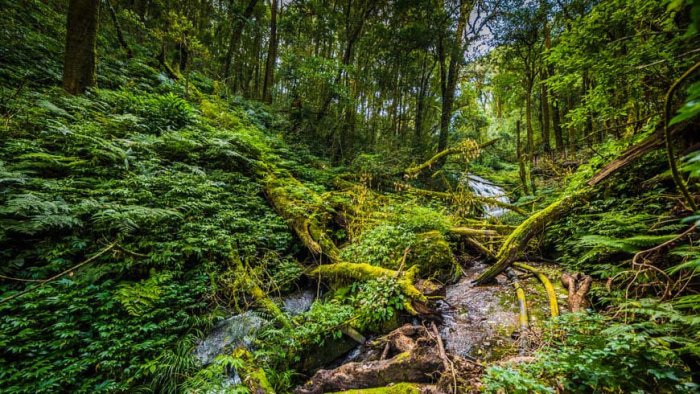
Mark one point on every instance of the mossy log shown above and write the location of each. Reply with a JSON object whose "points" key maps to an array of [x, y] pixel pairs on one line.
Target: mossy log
{"points": [[363, 271], [412, 358], [261, 298], [469, 148], [304, 212], [549, 289], [399, 388], [474, 232], [515, 243], [254, 378]]}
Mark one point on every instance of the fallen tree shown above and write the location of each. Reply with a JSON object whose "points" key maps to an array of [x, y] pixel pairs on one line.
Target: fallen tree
{"points": [[516, 242], [468, 148], [363, 271], [304, 212], [408, 354]]}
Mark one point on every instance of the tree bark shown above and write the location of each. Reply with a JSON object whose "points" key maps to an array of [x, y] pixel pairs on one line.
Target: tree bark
{"points": [[522, 171], [271, 55], [118, 28], [528, 117], [545, 117], [449, 77], [236, 33], [79, 65]]}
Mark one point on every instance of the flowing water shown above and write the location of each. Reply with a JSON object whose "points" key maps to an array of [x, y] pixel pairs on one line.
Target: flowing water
{"points": [[484, 188], [478, 321], [241, 329]]}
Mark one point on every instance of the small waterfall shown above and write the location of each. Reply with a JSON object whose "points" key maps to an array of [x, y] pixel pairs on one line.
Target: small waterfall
{"points": [[483, 188]]}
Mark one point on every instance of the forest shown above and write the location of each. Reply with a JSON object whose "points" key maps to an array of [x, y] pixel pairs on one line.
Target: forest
{"points": [[349, 196]]}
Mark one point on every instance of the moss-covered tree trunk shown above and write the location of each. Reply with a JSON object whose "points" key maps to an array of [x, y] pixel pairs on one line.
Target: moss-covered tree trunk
{"points": [[81, 38]]}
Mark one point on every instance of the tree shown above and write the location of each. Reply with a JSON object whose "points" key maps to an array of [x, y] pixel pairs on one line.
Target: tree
{"points": [[271, 55], [236, 31], [79, 67]]}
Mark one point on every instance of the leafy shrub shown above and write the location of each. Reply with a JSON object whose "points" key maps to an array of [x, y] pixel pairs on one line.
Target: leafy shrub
{"points": [[589, 353]]}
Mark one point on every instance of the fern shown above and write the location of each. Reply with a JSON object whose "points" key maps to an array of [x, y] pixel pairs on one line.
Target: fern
{"points": [[137, 298], [629, 245]]}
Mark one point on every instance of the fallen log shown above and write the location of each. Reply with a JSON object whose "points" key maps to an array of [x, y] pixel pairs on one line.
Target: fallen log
{"points": [[364, 271], [251, 287], [518, 239], [456, 197], [471, 232], [415, 359], [468, 147], [304, 212]]}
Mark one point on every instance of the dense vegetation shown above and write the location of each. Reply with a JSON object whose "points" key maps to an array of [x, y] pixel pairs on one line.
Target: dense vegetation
{"points": [[166, 166]]}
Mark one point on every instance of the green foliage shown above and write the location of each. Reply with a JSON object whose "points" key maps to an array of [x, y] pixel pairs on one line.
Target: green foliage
{"points": [[376, 301], [589, 353], [282, 348]]}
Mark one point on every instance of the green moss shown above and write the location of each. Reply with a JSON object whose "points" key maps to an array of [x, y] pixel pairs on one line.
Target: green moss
{"points": [[399, 388]]}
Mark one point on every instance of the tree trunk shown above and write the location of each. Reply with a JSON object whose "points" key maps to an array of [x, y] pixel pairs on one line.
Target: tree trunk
{"points": [[556, 122], [449, 77], [271, 56], [236, 33], [521, 160], [79, 65], [118, 28], [528, 118], [545, 118]]}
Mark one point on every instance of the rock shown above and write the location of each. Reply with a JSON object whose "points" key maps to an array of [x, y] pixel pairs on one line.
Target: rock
{"points": [[236, 331]]}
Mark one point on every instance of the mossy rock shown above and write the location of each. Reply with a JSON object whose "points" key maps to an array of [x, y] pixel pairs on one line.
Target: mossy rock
{"points": [[400, 388], [432, 255]]}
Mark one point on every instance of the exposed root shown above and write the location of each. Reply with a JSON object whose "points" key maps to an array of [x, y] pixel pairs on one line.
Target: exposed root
{"points": [[549, 289], [522, 302], [578, 285]]}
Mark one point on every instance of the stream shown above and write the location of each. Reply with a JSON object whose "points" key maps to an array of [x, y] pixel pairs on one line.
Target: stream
{"points": [[478, 322]]}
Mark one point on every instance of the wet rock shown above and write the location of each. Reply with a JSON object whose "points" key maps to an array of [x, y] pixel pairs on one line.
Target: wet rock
{"points": [[298, 302], [236, 331]]}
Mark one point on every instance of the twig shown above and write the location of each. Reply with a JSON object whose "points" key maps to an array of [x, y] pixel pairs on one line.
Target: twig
{"points": [[447, 364], [69, 270]]}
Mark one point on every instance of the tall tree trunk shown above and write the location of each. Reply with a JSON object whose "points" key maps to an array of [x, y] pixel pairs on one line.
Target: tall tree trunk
{"points": [[426, 72], [118, 28], [271, 55], [236, 32], [449, 76], [521, 160], [545, 118], [556, 122], [79, 66], [528, 117]]}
